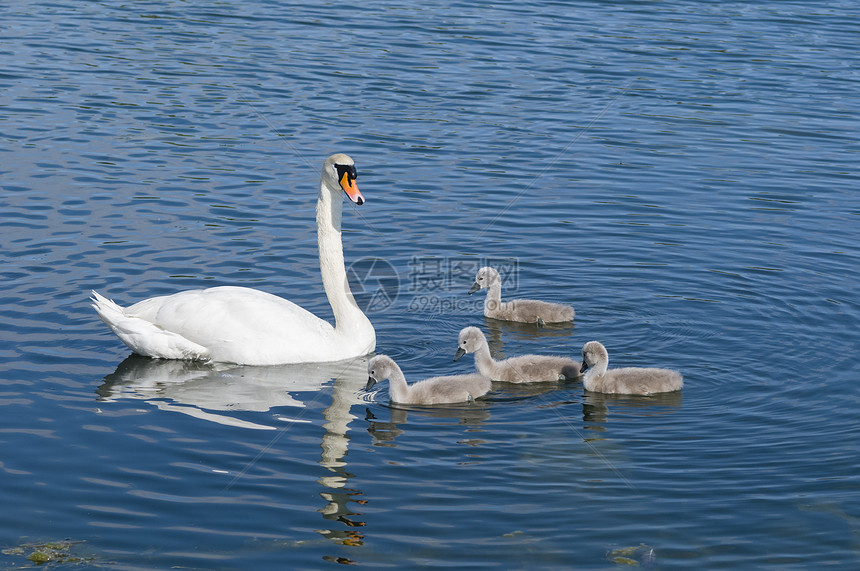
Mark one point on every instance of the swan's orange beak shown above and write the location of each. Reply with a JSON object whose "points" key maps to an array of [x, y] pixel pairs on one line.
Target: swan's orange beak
{"points": [[349, 186]]}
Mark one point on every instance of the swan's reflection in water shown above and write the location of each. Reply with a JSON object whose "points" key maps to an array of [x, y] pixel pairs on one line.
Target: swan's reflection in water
{"points": [[218, 392], [496, 331], [385, 432], [211, 391], [598, 407], [335, 442]]}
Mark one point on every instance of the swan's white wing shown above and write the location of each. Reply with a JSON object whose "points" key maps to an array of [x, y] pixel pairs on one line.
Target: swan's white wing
{"points": [[238, 324]]}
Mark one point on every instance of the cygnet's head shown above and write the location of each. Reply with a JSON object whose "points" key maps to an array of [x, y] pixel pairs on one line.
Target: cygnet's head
{"points": [[471, 339], [339, 172], [379, 368], [593, 353], [485, 277]]}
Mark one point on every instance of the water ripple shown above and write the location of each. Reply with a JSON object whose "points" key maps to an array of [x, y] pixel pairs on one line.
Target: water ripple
{"points": [[684, 175]]}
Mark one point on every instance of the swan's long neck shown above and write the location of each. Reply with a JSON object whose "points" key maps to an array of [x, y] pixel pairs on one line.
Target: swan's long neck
{"points": [[594, 372], [399, 390], [493, 302], [485, 363], [348, 317]]}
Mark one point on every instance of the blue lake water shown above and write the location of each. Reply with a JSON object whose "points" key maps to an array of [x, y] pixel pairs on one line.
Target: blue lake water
{"points": [[683, 173]]}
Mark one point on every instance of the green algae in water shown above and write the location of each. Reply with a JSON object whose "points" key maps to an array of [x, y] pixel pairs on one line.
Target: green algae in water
{"points": [[638, 555], [49, 552]]}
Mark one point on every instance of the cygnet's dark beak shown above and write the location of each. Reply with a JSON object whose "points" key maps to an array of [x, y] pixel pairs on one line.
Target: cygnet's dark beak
{"points": [[460, 352], [370, 382], [583, 367], [475, 287]]}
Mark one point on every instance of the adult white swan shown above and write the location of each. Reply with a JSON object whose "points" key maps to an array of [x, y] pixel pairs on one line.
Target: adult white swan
{"points": [[249, 326]]}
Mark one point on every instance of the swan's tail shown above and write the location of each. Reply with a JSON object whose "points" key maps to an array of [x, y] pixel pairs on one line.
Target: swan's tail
{"points": [[143, 337], [106, 308]]}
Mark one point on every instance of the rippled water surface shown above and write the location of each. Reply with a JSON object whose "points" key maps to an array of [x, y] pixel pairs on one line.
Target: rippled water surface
{"points": [[683, 173]]}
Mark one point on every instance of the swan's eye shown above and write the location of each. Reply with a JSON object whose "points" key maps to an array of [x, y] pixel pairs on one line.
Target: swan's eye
{"points": [[348, 170]]}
